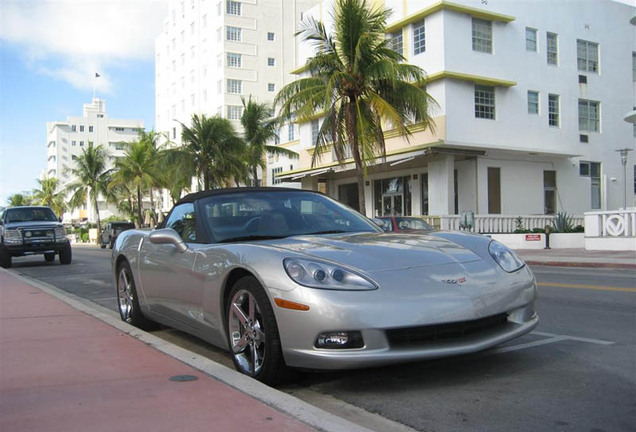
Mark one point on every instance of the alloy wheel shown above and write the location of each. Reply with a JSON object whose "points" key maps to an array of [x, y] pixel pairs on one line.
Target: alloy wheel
{"points": [[247, 332]]}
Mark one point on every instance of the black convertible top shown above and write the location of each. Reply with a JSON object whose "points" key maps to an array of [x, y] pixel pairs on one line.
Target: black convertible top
{"points": [[207, 193]]}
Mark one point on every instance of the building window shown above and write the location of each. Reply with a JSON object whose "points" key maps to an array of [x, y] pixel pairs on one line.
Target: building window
{"points": [[494, 190], [74, 128], [484, 102], [315, 128], [234, 60], [233, 34], [90, 128], [533, 102], [81, 128], [549, 192], [587, 56], [234, 86], [274, 172], [419, 38], [271, 61], [552, 48], [270, 36], [589, 115], [290, 132], [531, 39], [81, 143], [271, 87], [233, 7], [482, 35], [593, 171], [553, 110], [396, 42], [73, 143], [234, 112]]}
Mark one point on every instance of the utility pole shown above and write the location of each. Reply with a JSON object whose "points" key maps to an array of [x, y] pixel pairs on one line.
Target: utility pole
{"points": [[623, 153]]}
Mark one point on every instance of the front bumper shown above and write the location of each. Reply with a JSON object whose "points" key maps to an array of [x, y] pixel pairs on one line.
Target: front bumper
{"points": [[36, 247], [493, 307]]}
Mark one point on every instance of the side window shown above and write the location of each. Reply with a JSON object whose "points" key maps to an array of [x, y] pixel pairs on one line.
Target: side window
{"points": [[183, 221]]}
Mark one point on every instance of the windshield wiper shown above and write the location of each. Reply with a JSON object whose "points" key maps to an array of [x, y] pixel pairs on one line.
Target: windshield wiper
{"points": [[326, 232], [250, 238]]}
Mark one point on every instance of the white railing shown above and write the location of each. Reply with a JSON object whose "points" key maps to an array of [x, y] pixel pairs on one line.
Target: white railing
{"points": [[497, 223], [611, 230], [617, 223]]}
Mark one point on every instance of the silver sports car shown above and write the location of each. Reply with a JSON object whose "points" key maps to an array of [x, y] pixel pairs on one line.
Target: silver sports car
{"points": [[287, 278]]}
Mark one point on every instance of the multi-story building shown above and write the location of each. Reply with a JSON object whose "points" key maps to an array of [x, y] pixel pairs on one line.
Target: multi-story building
{"points": [[66, 140], [531, 101], [212, 54]]}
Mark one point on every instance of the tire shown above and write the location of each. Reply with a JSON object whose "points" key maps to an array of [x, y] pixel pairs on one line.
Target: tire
{"points": [[102, 245], [66, 255], [254, 341], [5, 258], [111, 243], [49, 257], [127, 300]]}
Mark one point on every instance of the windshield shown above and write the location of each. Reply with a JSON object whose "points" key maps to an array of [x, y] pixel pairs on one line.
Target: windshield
{"points": [[265, 215], [27, 214], [412, 223]]}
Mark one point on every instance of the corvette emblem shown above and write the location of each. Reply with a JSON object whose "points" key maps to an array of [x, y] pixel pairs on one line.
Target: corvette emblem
{"points": [[457, 281]]}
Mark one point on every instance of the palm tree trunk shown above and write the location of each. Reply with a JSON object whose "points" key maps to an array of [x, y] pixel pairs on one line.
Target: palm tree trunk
{"points": [[153, 215], [99, 222], [254, 176], [139, 212], [352, 134]]}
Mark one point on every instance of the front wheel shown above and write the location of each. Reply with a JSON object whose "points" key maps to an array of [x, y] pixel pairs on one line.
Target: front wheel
{"points": [[66, 255], [253, 336], [127, 301], [5, 258]]}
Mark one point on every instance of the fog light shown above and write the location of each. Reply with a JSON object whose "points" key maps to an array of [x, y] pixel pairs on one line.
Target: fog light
{"points": [[340, 340]]}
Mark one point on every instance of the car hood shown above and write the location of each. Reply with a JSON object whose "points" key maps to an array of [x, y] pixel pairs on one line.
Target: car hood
{"points": [[373, 252]]}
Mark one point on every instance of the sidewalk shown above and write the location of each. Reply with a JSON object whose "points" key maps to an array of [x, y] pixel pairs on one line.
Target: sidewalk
{"points": [[64, 370], [578, 258]]}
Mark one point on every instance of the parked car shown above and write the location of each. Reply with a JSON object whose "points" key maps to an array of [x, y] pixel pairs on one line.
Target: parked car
{"points": [[110, 232], [402, 223], [287, 278], [32, 230]]}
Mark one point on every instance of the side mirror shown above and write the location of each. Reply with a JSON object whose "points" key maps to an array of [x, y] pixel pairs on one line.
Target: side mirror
{"points": [[168, 236]]}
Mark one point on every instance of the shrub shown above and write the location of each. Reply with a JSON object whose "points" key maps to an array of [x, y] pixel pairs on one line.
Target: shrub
{"points": [[562, 223]]}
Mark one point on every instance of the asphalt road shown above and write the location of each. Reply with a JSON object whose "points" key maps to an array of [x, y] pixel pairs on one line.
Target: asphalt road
{"points": [[576, 372]]}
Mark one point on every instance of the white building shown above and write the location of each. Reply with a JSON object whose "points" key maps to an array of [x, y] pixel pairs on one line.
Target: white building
{"points": [[66, 140], [532, 97], [212, 53]]}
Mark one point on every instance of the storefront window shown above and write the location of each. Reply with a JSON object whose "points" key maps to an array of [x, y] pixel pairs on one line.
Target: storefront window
{"points": [[392, 196]]}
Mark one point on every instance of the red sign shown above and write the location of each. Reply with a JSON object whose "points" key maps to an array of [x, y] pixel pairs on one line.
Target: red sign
{"points": [[533, 237]]}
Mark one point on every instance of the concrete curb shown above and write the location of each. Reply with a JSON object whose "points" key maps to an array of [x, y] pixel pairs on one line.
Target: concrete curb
{"points": [[306, 413], [581, 264]]}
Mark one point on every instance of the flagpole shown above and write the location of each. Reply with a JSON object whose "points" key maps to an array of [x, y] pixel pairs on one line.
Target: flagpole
{"points": [[95, 83]]}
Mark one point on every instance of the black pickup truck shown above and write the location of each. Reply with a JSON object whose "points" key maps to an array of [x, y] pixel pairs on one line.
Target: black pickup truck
{"points": [[32, 230]]}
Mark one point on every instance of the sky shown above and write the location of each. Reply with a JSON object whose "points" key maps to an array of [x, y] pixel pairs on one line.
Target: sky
{"points": [[50, 52]]}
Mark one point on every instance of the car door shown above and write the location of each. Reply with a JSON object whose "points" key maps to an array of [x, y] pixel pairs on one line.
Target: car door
{"points": [[170, 286]]}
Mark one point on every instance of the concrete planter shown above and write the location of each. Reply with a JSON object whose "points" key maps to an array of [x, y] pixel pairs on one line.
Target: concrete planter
{"points": [[537, 241]]}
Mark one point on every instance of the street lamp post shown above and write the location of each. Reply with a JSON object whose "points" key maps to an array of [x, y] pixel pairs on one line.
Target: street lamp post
{"points": [[623, 152]]}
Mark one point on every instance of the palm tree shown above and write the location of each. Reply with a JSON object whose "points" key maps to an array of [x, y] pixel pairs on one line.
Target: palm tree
{"points": [[18, 200], [92, 177], [357, 82], [211, 151], [135, 170], [49, 195], [258, 128]]}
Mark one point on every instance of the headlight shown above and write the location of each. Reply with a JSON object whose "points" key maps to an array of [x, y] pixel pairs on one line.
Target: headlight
{"points": [[60, 234], [507, 259], [323, 275], [12, 237]]}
